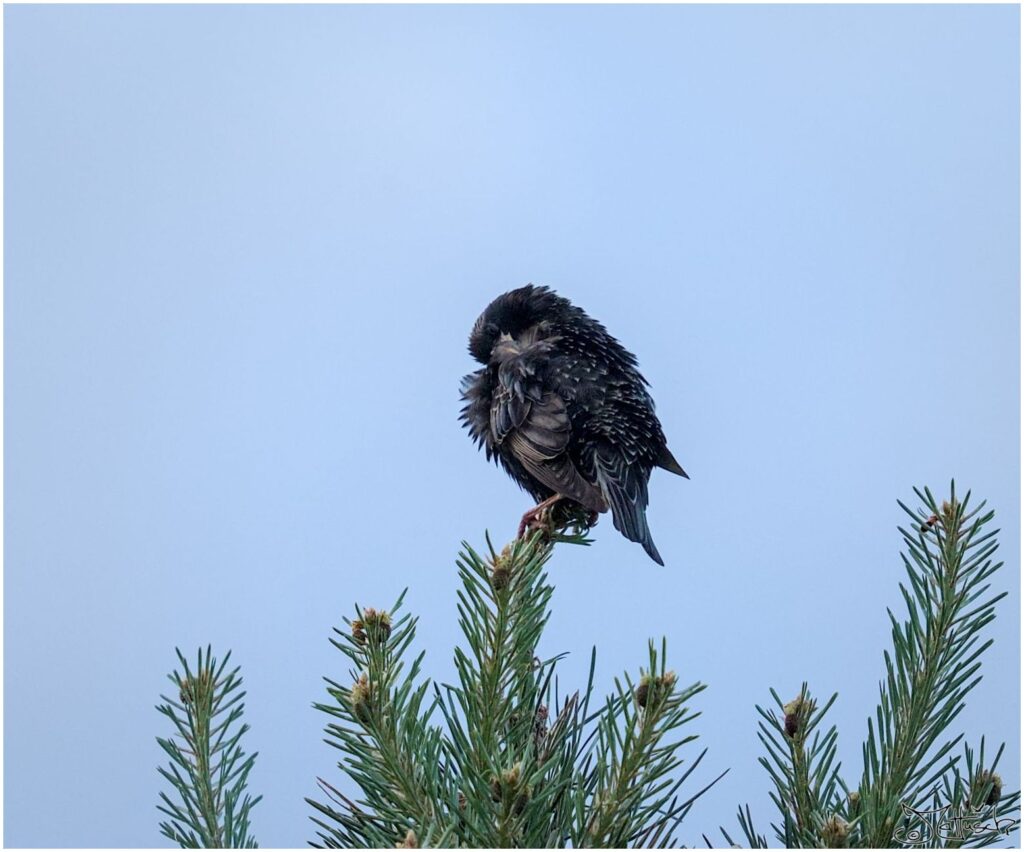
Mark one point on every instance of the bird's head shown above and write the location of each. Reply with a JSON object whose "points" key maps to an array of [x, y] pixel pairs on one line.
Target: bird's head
{"points": [[517, 318]]}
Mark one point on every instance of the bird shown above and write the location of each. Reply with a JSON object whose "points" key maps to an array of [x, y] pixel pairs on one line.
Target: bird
{"points": [[560, 404]]}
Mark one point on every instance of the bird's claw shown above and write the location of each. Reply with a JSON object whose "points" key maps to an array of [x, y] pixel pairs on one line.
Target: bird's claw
{"points": [[534, 520], [544, 517], [539, 517]]}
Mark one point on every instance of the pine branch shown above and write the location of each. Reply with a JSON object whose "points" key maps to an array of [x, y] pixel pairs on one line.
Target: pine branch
{"points": [[912, 791], [208, 769], [972, 809], [516, 764], [635, 801], [802, 768], [383, 732], [934, 665], [502, 612]]}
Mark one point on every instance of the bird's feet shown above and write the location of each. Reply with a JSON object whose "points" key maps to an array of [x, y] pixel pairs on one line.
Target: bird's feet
{"points": [[554, 513], [537, 518]]}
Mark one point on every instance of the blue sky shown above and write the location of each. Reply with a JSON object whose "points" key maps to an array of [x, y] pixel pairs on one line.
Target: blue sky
{"points": [[245, 247]]}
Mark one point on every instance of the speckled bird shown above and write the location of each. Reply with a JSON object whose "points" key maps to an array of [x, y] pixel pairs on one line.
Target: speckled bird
{"points": [[561, 405]]}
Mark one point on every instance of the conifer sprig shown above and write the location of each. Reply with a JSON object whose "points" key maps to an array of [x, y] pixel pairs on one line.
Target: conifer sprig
{"points": [[500, 758], [912, 790], [636, 801], [935, 661], [208, 769], [801, 761], [381, 726], [515, 763]]}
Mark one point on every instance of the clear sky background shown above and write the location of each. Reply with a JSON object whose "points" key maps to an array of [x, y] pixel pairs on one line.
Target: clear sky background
{"points": [[244, 250]]}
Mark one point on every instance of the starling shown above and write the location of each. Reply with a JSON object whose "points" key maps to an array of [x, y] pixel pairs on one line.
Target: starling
{"points": [[561, 405]]}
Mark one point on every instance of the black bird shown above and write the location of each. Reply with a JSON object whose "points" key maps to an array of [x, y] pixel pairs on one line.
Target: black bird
{"points": [[561, 404]]}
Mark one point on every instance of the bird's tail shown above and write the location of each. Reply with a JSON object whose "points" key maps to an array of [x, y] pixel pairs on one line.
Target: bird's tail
{"points": [[625, 488], [647, 543]]}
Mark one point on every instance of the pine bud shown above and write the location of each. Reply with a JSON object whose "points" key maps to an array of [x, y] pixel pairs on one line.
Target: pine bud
{"points": [[854, 803], [410, 841], [500, 578], [359, 699], [501, 570], [509, 788], [835, 832], [540, 729], [796, 714], [602, 807], [653, 690], [982, 781], [510, 777], [196, 689], [643, 691], [949, 511], [540, 718], [375, 625]]}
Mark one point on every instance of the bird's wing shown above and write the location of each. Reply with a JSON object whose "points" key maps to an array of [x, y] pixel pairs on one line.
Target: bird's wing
{"points": [[625, 486], [533, 424], [668, 461], [476, 413]]}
